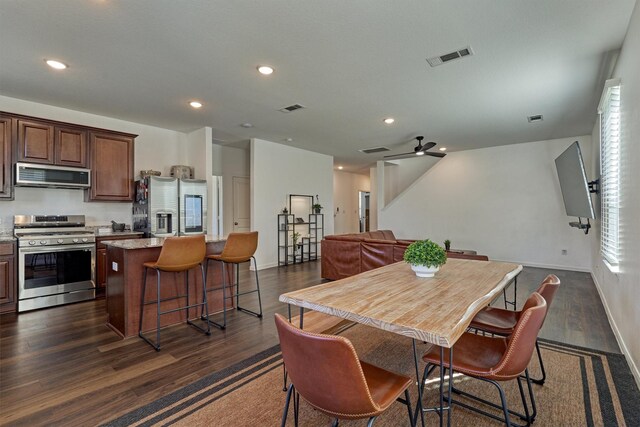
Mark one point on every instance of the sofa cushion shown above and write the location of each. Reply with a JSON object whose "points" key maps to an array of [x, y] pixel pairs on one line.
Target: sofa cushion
{"points": [[375, 255], [376, 235], [388, 234]]}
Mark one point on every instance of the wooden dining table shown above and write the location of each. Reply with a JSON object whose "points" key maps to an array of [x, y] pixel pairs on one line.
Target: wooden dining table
{"points": [[436, 310]]}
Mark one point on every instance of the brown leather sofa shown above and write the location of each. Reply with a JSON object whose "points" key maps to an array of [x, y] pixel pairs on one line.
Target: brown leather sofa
{"points": [[345, 255]]}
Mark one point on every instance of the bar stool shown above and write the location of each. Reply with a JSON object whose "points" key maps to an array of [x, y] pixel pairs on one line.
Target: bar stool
{"points": [[238, 249], [178, 254]]}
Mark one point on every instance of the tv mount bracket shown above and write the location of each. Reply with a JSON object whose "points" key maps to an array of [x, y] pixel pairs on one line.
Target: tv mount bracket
{"points": [[582, 226], [594, 186]]}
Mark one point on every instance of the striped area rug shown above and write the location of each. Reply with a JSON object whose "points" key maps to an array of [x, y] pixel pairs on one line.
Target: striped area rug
{"points": [[584, 387]]}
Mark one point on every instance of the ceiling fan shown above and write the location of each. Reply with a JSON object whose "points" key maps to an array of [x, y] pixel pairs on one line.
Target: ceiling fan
{"points": [[419, 150]]}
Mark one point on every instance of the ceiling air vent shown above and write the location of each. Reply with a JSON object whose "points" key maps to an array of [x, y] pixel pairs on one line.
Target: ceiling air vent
{"points": [[534, 119], [374, 150], [452, 56], [291, 108]]}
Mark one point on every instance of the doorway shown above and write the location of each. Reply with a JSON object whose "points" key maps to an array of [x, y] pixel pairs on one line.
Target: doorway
{"points": [[363, 210], [241, 204]]}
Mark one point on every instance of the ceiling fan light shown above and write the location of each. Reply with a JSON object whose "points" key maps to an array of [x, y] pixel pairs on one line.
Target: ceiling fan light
{"points": [[420, 153]]}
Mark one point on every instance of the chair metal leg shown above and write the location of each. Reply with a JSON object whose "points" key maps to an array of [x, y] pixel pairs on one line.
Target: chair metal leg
{"points": [[540, 381], [284, 378], [296, 407], [408, 403], [238, 293], [286, 406], [223, 325], [335, 423], [204, 304], [371, 420]]}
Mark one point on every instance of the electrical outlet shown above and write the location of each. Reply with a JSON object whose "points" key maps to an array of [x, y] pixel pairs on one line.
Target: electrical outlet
{"points": [[564, 252], [114, 266]]}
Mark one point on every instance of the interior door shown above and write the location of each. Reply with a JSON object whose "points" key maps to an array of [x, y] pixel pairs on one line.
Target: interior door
{"points": [[241, 204]]}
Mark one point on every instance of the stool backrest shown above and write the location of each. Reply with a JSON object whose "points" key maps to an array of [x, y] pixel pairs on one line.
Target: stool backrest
{"points": [[181, 253], [240, 247], [523, 339], [548, 288], [325, 370]]}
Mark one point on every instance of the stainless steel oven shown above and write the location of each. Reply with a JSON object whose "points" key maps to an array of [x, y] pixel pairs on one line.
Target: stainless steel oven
{"points": [[56, 261]]}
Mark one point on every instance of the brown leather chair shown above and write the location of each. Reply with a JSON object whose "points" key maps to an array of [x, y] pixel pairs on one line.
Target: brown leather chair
{"points": [[326, 372], [496, 359], [502, 322], [238, 249], [178, 254]]}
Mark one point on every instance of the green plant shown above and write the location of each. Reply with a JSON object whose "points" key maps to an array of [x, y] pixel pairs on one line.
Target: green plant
{"points": [[447, 244], [425, 252], [316, 207], [295, 236]]}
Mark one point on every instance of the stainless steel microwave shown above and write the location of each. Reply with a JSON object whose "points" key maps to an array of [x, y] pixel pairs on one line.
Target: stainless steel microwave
{"points": [[35, 175]]}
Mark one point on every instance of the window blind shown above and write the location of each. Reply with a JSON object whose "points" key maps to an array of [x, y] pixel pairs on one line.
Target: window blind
{"points": [[610, 172]]}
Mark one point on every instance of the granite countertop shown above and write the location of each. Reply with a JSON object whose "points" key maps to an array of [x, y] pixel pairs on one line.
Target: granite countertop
{"points": [[7, 239], [119, 233], [153, 242]]}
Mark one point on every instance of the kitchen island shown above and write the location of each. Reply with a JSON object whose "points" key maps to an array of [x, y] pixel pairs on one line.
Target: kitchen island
{"points": [[125, 259]]}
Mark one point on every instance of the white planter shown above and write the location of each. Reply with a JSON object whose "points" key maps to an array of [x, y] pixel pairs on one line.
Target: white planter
{"points": [[424, 271]]}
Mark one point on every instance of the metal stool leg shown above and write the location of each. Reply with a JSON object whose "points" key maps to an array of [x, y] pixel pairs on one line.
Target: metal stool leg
{"points": [[238, 293]]}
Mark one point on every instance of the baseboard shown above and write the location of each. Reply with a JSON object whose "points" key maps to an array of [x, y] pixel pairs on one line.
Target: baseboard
{"points": [[551, 266], [263, 266], [623, 347]]}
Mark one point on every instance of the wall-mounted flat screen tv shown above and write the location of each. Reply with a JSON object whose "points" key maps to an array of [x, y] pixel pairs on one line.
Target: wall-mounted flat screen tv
{"points": [[573, 183]]}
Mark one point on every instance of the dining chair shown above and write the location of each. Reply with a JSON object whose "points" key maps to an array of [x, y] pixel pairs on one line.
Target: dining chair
{"points": [[239, 248], [502, 322], [325, 371], [495, 360], [178, 254]]}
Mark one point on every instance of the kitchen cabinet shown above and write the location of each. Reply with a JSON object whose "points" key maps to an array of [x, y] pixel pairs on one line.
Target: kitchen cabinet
{"points": [[101, 257], [111, 163], [49, 143], [8, 285], [6, 189]]}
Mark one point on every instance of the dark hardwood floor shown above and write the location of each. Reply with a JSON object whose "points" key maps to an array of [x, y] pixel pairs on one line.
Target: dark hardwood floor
{"points": [[63, 366]]}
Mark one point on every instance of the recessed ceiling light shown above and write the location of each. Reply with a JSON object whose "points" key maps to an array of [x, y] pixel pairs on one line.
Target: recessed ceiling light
{"points": [[246, 125], [195, 104], [443, 148], [56, 64], [289, 140], [340, 167], [389, 120], [265, 69]]}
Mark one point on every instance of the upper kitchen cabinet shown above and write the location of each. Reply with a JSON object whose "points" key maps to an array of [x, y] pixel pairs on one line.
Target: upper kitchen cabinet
{"points": [[46, 142], [111, 163], [5, 158]]}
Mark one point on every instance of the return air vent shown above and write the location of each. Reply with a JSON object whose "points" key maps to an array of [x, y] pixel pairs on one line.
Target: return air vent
{"points": [[291, 108], [452, 56], [374, 150], [534, 119]]}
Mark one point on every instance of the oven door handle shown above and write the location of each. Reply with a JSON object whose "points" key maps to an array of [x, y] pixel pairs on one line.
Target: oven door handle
{"points": [[65, 248]]}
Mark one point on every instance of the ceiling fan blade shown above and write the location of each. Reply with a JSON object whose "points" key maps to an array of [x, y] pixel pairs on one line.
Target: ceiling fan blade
{"points": [[428, 146], [429, 153]]}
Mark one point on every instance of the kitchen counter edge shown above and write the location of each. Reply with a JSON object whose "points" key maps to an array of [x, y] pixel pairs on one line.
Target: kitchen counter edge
{"points": [[153, 242]]}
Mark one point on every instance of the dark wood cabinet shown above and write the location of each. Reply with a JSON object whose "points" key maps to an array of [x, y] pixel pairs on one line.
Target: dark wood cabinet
{"points": [[35, 142], [6, 189], [70, 146], [111, 163], [8, 286], [45, 142], [101, 258]]}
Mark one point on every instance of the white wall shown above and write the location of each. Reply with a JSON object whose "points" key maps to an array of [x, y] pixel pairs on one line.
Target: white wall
{"points": [[155, 148], [620, 291], [277, 171], [346, 186], [504, 202], [235, 162], [399, 175]]}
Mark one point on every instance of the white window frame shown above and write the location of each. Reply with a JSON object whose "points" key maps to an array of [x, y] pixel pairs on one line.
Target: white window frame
{"points": [[610, 124]]}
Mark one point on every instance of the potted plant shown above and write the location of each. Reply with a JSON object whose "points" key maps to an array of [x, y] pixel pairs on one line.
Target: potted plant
{"points": [[447, 245], [294, 237], [425, 257], [317, 207]]}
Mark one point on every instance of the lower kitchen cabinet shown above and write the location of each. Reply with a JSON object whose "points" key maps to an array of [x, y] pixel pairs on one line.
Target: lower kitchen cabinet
{"points": [[8, 284], [101, 258]]}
